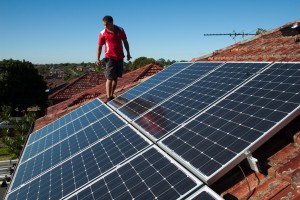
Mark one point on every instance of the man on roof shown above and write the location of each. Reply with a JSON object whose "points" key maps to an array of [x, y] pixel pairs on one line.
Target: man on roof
{"points": [[112, 37]]}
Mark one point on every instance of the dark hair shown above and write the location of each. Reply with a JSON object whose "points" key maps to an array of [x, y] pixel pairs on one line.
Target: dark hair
{"points": [[108, 18]]}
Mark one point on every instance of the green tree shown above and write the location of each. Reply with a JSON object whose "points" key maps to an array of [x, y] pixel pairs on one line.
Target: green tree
{"points": [[14, 137], [140, 62], [20, 85], [260, 31]]}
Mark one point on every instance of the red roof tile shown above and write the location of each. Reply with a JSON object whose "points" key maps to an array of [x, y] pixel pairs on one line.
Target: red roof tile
{"points": [[74, 101], [279, 44], [78, 85]]}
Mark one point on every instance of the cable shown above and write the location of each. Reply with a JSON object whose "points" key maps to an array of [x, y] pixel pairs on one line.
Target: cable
{"points": [[250, 193], [245, 178]]}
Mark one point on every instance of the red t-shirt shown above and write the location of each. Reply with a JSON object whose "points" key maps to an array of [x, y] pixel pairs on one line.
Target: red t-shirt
{"points": [[113, 42]]}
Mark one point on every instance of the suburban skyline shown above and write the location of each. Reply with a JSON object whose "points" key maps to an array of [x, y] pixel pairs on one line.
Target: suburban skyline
{"points": [[66, 31]]}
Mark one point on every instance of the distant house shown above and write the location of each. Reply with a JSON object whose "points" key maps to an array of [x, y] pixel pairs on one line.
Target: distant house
{"points": [[56, 72], [86, 69]]}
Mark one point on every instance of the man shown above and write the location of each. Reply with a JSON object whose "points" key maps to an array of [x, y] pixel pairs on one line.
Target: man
{"points": [[112, 37]]}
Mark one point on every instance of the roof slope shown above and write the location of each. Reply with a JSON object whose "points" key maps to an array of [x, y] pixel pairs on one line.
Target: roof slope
{"points": [[78, 85], [128, 81]]}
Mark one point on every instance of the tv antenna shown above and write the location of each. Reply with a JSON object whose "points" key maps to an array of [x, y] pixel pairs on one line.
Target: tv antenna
{"points": [[233, 34]]}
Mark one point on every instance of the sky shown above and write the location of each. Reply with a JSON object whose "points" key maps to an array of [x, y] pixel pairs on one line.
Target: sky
{"points": [[66, 31]]}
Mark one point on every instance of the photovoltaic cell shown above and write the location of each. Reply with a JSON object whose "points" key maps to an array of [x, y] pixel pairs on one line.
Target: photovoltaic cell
{"points": [[191, 100], [99, 115], [53, 155], [150, 175], [82, 167], [148, 84], [216, 137], [205, 193], [165, 89], [63, 120]]}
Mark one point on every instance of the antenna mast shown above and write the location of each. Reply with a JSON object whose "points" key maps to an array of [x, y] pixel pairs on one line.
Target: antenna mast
{"points": [[233, 34]]}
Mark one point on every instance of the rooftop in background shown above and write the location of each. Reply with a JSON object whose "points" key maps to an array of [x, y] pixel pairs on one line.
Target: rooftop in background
{"points": [[280, 44], [76, 86], [74, 100]]}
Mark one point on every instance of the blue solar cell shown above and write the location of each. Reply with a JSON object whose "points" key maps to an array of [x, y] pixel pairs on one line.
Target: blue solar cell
{"points": [[165, 89], [150, 175], [148, 84], [49, 156], [80, 168], [205, 193], [60, 134], [230, 127], [168, 115], [63, 120]]}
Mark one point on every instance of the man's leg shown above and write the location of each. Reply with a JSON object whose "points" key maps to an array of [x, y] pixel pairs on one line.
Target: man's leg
{"points": [[113, 87], [113, 70], [108, 88]]}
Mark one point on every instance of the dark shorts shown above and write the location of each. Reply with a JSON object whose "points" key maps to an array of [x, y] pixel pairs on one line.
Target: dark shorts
{"points": [[113, 69]]}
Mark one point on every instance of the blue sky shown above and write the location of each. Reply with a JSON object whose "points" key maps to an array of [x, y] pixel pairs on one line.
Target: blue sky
{"points": [[61, 31]]}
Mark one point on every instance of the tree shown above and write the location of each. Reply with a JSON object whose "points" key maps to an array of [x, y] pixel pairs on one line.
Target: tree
{"points": [[20, 85], [140, 62], [260, 31], [14, 137]]}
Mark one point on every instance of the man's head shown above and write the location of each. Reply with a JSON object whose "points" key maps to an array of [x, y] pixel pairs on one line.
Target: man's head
{"points": [[108, 22]]}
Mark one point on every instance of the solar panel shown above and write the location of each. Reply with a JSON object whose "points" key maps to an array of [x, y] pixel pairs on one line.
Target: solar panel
{"points": [[57, 153], [80, 168], [63, 120], [205, 193], [90, 120], [186, 103], [150, 175], [165, 89], [148, 84], [205, 115], [216, 140]]}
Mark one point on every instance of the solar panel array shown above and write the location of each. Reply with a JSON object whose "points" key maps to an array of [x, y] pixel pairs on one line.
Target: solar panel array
{"points": [[166, 88], [150, 175], [238, 122], [146, 85], [189, 101], [200, 119]]}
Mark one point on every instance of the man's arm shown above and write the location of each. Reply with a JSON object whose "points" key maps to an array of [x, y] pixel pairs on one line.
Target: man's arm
{"points": [[126, 45], [98, 54]]}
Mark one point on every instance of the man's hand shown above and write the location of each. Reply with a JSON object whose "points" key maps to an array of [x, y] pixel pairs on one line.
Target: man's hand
{"points": [[128, 57], [98, 62]]}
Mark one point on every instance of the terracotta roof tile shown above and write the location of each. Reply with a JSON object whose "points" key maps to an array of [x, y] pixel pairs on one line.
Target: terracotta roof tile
{"points": [[78, 98], [78, 85], [274, 45]]}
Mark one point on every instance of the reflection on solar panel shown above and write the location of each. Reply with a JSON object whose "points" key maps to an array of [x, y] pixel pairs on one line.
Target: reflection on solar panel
{"points": [[150, 175], [165, 89], [204, 115], [191, 100], [243, 120], [148, 84], [205, 193]]}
